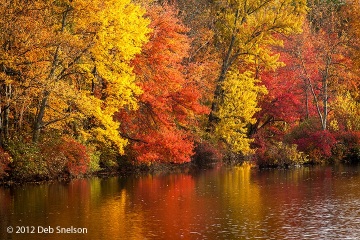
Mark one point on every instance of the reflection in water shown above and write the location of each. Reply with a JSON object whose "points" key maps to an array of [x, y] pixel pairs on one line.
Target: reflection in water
{"points": [[237, 203], [244, 200]]}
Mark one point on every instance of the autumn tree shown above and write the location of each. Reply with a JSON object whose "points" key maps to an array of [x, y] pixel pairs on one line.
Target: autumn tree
{"points": [[70, 61], [323, 57], [284, 105], [203, 59], [160, 130], [307, 97], [120, 34], [244, 32], [353, 14], [23, 40]]}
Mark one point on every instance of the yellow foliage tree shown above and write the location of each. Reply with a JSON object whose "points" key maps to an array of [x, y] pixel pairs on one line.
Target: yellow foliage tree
{"points": [[241, 93], [122, 32], [245, 32], [69, 62], [346, 112]]}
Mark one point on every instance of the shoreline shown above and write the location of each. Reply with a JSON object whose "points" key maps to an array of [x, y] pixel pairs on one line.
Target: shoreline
{"points": [[158, 168]]}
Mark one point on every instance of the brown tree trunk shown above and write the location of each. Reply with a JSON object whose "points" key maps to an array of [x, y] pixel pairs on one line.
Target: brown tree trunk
{"points": [[39, 119]]}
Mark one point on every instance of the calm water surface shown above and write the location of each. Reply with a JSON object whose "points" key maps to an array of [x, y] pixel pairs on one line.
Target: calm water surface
{"points": [[223, 203]]}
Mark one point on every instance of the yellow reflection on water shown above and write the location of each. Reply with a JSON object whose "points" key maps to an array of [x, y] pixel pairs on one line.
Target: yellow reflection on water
{"points": [[111, 213], [120, 222], [243, 196]]}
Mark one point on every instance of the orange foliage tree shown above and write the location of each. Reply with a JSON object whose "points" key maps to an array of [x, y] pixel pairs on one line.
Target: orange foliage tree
{"points": [[160, 130]]}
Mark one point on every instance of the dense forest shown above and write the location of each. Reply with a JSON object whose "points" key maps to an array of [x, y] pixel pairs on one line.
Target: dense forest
{"points": [[92, 85]]}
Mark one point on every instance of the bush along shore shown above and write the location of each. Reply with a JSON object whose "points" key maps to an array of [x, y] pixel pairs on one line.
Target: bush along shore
{"points": [[66, 159]]}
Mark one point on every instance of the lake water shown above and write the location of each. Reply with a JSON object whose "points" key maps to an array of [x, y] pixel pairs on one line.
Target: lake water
{"points": [[222, 203]]}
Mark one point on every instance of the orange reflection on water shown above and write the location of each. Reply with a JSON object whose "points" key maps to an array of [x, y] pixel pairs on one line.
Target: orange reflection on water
{"points": [[170, 199], [222, 203]]}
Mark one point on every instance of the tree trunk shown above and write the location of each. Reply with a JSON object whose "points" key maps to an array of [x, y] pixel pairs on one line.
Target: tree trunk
{"points": [[325, 108], [218, 95], [227, 62], [306, 101], [38, 124], [325, 92], [1, 128], [39, 119], [8, 94]]}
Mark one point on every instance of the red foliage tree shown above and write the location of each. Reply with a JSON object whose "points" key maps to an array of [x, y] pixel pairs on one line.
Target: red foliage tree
{"points": [[317, 69], [284, 102], [159, 129], [290, 98]]}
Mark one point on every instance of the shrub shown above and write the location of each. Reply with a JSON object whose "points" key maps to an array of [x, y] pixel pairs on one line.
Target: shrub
{"points": [[5, 160], [280, 154], [347, 147], [28, 161], [94, 164], [76, 155], [54, 157], [318, 144], [206, 153], [64, 155], [108, 159]]}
